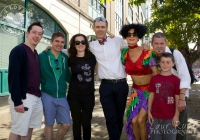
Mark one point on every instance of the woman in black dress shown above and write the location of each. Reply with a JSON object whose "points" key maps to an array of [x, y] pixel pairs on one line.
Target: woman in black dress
{"points": [[81, 88]]}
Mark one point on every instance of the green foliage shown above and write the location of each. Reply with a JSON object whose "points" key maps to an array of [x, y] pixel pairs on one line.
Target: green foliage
{"points": [[180, 21]]}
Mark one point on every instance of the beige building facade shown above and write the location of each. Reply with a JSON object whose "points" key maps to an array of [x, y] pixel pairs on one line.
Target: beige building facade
{"points": [[67, 16], [76, 16]]}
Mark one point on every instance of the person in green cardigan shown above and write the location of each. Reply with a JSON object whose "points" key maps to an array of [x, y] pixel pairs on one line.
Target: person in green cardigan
{"points": [[54, 77]]}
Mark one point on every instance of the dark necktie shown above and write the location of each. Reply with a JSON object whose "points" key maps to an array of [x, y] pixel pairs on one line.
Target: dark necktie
{"points": [[101, 42]]}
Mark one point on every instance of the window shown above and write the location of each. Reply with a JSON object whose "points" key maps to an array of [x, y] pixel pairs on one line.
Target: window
{"points": [[36, 14], [96, 9], [12, 13], [141, 18], [130, 14], [14, 22], [118, 16], [137, 20]]}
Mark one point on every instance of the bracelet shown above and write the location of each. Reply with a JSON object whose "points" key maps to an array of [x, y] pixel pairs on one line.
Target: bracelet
{"points": [[182, 93], [181, 100]]}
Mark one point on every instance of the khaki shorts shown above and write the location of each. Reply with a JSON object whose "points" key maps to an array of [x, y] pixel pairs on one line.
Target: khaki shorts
{"points": [[32, 118]]}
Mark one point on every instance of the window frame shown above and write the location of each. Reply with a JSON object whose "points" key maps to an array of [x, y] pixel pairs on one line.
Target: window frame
{"points": [[24, 29], [130, 12], [97, 10], [119, 16]]}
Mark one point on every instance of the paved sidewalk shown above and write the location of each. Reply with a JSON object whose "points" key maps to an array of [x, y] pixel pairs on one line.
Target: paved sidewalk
{"points": [[99, 131]]}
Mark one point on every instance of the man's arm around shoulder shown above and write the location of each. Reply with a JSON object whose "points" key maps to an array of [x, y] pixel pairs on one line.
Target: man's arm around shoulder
{"points": [[121, 42]]}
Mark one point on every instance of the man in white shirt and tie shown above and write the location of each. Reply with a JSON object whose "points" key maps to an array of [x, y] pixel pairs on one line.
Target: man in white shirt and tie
{"points": [[114, 88]]}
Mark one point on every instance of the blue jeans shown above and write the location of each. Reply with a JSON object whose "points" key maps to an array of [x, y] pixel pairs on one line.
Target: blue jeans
{"points": [[113, 98]]}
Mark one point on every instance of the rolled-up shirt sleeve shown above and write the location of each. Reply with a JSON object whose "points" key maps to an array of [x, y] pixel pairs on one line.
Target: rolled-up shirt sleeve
{"points": [[182, 70]]}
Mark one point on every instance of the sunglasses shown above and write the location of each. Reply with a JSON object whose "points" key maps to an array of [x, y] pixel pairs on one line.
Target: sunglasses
{"points": [[83, 42], [100, 19], [131, 34], [57, 64]]}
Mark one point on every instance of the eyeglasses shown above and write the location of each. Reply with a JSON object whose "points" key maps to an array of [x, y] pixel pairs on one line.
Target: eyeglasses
{"points": [[131, 34], [100, 19], [83, 42], [57, 64]]}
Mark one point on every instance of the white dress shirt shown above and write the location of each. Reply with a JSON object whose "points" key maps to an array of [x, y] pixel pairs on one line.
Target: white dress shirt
{"points": [[182, 70], [108, 58]]}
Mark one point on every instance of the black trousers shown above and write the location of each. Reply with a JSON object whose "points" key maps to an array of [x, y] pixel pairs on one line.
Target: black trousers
{"points": [[81, 107], [113, 98]]}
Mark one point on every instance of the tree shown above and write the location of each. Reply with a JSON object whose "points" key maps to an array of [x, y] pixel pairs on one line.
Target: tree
{"points": [[180, 22]]}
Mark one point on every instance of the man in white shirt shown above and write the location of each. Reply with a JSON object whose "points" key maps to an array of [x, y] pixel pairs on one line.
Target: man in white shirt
{"points": [[114, 88], [159, 46]]}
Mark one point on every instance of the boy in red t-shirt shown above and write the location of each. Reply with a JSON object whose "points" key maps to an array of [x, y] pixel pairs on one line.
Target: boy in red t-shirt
{"points": [[163, 114]]}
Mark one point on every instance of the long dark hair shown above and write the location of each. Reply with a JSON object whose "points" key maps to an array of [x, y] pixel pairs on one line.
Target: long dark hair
{"points": [[72, 50]]}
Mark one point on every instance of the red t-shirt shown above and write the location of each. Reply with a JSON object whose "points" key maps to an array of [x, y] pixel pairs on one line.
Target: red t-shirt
{"points": [[165, 88]]}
